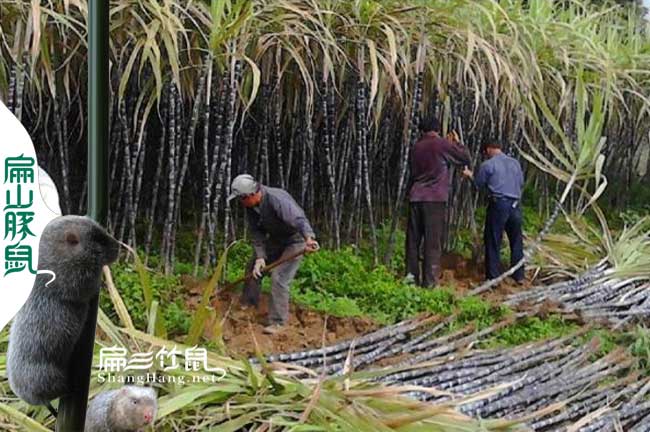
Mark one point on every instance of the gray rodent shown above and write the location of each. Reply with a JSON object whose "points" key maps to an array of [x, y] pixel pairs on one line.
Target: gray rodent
{"points": [[47, 327], [128, 409]]}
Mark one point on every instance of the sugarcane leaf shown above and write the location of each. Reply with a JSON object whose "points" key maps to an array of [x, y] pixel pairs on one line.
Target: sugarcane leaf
{"points": [[304, 72], [126, 74], [183, 399], [600, 162], [581, 99], [600, 189], [171, 48], [471, 45], [550, 169], [238, 423], [36, 28], [143, 275], [151, 52], [153, 317], [567, 160], [252, 375], [568, 157], [200, 317], [46, 61], [21, 419], [116, 299], [255, 70], [374, 80], [104, 322]]}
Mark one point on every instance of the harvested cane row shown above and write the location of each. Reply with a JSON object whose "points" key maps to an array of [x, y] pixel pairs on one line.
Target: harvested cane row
{"points": [[551, 384], [596, 296]]}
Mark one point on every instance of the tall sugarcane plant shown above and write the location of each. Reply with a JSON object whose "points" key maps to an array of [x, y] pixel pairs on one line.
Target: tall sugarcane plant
{"points": [[320, 98], [411, 136]]}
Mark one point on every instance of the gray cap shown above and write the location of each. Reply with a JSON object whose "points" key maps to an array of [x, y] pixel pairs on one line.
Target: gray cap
{"points": [[243, 184]]}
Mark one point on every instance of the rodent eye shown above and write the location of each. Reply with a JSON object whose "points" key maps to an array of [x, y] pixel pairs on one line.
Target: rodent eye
{"points": [[71, 238], [135, 401]]}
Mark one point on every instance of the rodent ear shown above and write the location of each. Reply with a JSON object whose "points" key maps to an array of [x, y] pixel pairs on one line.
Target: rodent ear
{"points": [[72, 237]]}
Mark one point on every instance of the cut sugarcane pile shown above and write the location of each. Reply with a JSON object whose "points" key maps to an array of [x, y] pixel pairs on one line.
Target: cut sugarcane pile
{"points": [[407, 337], [595, 296], [550, 384]]}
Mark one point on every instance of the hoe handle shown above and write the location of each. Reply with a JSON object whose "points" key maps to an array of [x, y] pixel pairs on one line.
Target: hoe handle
{"points": [[266, 269]]}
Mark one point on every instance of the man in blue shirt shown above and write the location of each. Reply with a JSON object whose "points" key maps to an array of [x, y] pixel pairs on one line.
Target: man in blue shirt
{"points": [[501, 175]]}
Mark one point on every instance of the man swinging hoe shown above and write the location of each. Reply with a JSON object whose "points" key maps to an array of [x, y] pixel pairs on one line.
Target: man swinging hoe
{"points": [[279, 229]]}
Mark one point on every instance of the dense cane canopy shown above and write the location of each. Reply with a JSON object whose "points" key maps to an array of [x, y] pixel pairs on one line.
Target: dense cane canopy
{"points": [[323, 98]]}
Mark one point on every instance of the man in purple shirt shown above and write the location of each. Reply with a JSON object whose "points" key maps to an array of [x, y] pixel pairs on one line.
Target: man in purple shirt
{"points": [[428, 193], [501, 175]]}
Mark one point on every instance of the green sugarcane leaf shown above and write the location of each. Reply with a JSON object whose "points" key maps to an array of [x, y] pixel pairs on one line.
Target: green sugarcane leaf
{"points": [[238, 423], [21, 419], [183, 399], [251, 375], [153, 316], [202, 313]]}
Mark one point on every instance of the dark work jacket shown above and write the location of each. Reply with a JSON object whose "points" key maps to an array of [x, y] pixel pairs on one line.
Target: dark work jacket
{"points": [[429, 180], [277, 220]]}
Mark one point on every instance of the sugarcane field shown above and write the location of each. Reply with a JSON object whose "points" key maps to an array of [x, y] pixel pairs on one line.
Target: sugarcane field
{"points": [[325, 215]]}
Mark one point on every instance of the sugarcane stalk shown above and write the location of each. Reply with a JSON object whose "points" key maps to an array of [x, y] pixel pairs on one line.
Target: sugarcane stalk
{"points": [[328, 124], [290, 150], [362, 132], [412, 131], [62, 144], [11, 89], [642, 425], [201, 92], [264, 170], [139, 169], [171, 178], [277, 121], [151, 216], [305, 167], [216, 181], [383, 333], [205, 210], [128, 172], [230, 121], [20, 89]]}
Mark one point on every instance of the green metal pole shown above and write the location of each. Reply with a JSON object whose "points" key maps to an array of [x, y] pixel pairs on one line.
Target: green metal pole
{"points": [[72, 408]]}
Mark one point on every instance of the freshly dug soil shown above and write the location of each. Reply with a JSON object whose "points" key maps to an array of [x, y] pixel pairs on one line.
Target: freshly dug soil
{"points": [[242, 328], [465, 276], [307, 328]]}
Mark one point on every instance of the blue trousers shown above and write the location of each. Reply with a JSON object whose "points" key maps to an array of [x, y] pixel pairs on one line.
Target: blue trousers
{"points": [[503, 214]]}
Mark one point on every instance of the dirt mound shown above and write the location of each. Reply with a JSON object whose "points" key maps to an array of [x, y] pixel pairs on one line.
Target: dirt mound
{"points": [[242, 327], [464, 275], [305, 329], [460, 272]]}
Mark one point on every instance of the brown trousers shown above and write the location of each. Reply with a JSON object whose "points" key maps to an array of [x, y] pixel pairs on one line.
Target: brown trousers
{"points": [[281, 278], [426, 222]]}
